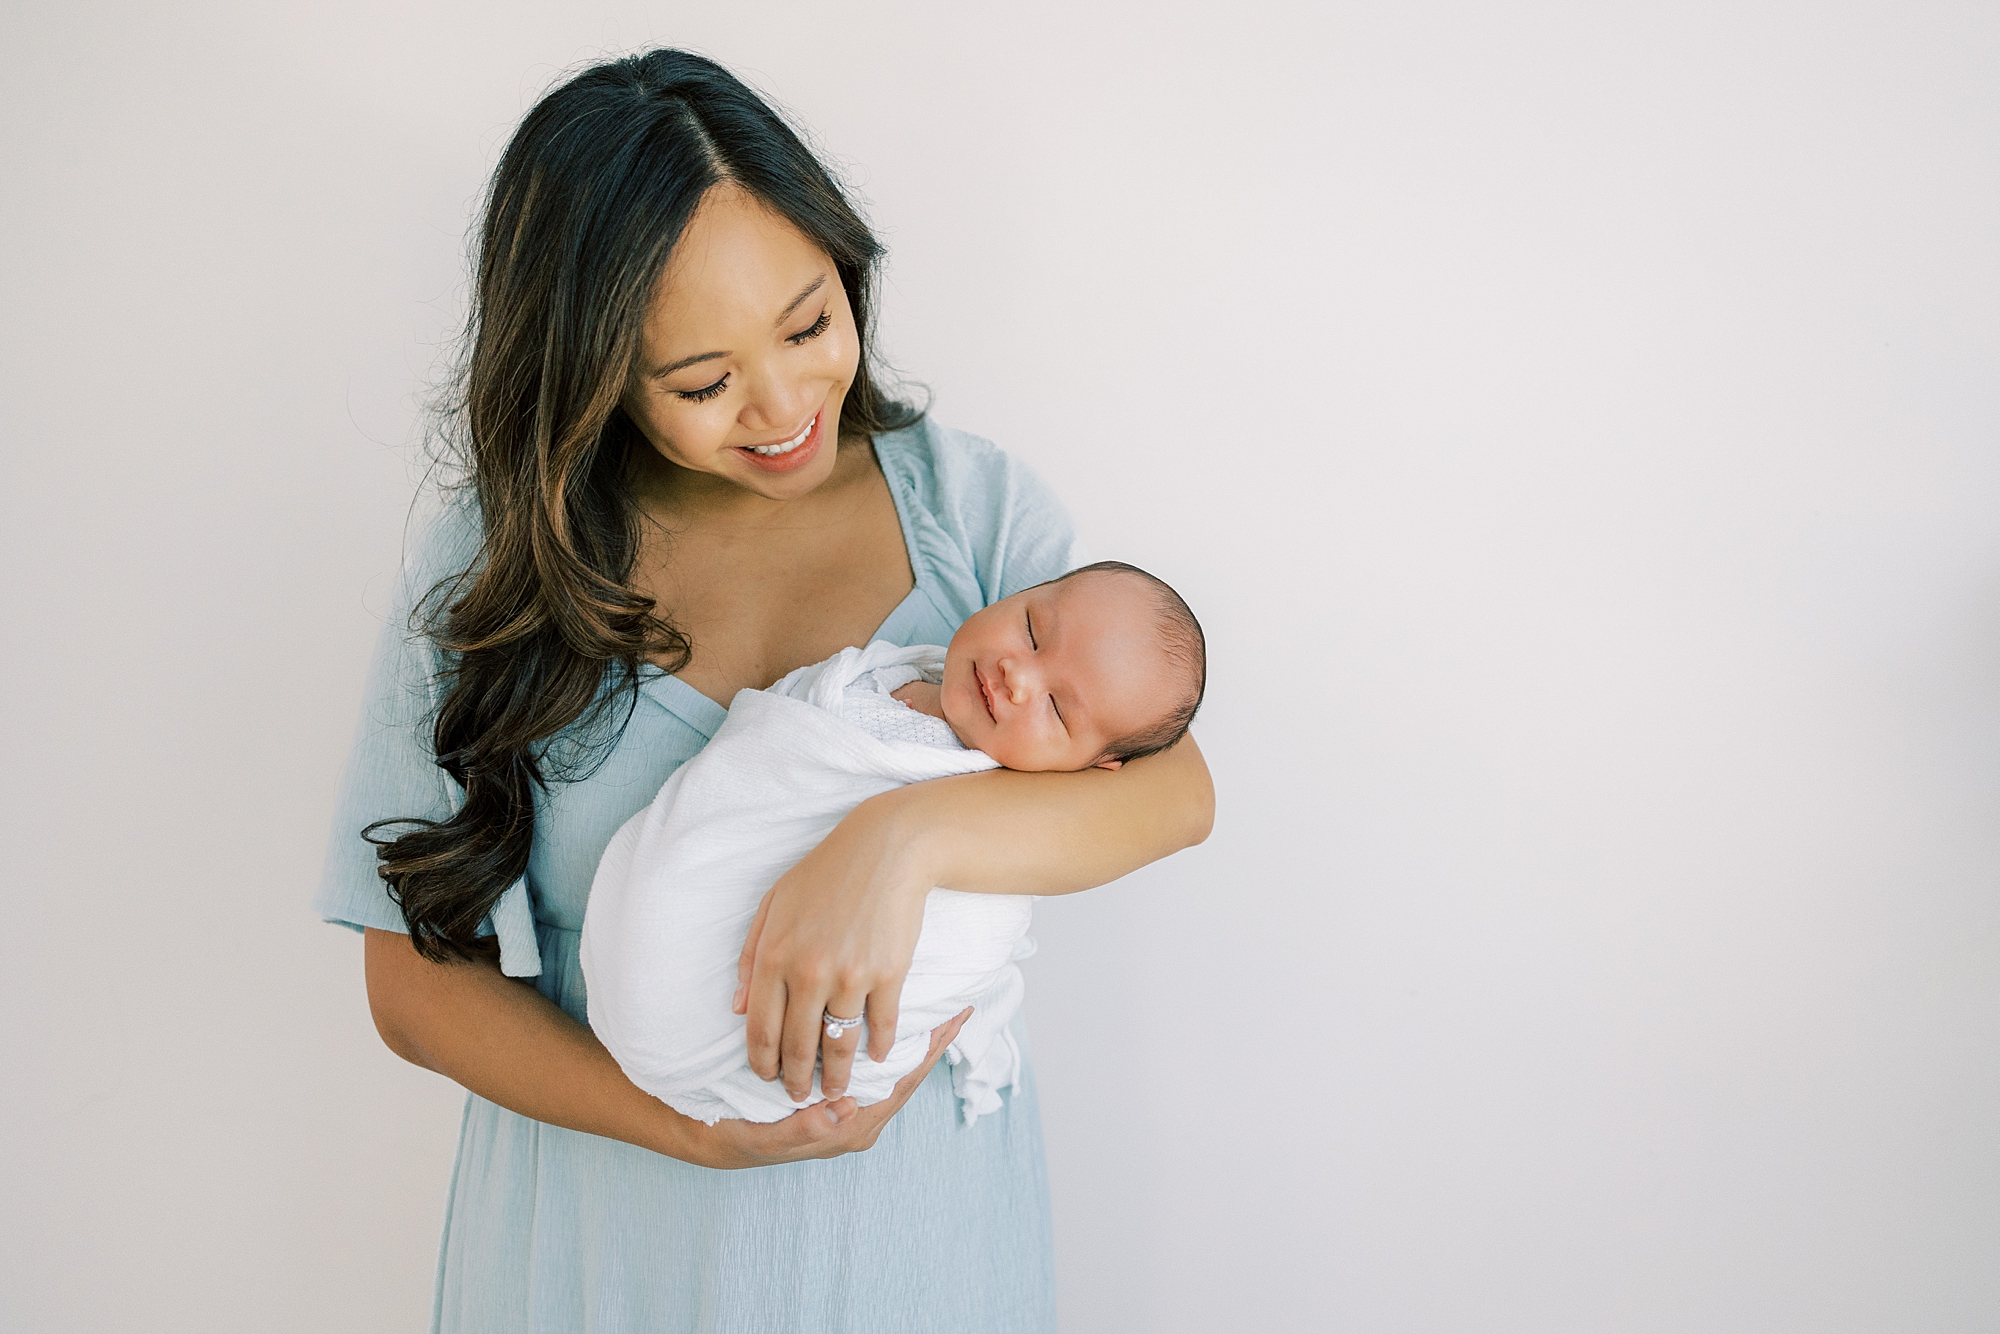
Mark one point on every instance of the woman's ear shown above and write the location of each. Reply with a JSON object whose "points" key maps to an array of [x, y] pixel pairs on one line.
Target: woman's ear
{"points": [[1109, 764]]}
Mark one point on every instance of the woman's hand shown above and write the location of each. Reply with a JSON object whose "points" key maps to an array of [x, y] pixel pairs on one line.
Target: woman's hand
{"points": [[834, 936], [824, 1130], [837, 932]]}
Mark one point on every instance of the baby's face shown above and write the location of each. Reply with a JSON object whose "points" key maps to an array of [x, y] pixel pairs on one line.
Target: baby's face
{"points": [[1049, 678]]}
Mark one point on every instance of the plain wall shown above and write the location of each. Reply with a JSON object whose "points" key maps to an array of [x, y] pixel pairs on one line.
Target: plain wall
{"points": [[1575, 424]]}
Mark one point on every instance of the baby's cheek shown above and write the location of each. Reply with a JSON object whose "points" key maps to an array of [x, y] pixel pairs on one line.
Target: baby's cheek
{"points": [[1034, 756]]}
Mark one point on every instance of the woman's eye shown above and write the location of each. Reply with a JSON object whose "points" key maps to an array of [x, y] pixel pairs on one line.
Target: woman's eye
{"points": [[704, 394], [817, 328]]}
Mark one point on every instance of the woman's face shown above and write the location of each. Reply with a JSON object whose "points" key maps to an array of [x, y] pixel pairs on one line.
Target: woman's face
{"points": [[748, 348]]}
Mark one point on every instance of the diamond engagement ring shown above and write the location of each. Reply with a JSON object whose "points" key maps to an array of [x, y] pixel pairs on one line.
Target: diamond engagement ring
{"points": [[837, 1028]]}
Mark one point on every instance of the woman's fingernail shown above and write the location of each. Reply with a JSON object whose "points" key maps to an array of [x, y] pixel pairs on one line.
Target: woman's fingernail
{"points": [[832, 1116]]}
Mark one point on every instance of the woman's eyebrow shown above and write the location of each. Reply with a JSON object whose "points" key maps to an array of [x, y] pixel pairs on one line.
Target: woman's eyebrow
{"points": [[686, 362], [811, 287], [783, 315]]}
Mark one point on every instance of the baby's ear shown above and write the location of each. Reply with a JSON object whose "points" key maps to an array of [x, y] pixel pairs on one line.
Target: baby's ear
{"points": [[1109, 764]]}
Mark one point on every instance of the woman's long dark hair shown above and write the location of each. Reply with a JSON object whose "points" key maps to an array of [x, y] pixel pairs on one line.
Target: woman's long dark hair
{"points": [[543, 636]]}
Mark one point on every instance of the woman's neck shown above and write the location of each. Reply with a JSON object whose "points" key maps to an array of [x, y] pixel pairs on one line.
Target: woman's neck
{"points": [[680, 498]]}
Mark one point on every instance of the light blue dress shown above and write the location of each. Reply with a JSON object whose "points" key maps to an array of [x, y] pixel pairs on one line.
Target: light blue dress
{"points": [[940, 1226]]}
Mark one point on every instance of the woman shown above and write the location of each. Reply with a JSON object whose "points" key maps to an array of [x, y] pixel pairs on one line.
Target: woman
{"points": [[684, 481]]}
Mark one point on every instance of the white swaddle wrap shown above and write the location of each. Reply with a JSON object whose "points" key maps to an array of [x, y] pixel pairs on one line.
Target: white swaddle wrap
{"points": [[678, 886]]}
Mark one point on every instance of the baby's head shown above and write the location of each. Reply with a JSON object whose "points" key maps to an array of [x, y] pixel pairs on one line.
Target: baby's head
{"points": [[1101, 666]]}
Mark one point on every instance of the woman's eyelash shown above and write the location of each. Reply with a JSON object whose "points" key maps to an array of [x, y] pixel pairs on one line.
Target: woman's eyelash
{"points": [[704, 394], [817, 328]]}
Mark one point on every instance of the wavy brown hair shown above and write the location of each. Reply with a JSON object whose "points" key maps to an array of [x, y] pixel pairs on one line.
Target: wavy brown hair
{"points": [[544, 635]]}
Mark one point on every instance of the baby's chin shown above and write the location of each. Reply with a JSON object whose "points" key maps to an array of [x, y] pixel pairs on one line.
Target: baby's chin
{"points": [[964, 737], [951, 703]]}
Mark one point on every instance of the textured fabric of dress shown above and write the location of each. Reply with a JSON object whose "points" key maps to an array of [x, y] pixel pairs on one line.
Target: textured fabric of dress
{"points": [[941, 1226]]}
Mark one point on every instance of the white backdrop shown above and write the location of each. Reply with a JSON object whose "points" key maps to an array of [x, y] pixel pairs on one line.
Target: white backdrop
{"points": [[1575, 424]]}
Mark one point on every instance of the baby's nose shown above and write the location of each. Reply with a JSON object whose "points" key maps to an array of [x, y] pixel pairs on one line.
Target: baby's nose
{"points": [[1019, 688]]}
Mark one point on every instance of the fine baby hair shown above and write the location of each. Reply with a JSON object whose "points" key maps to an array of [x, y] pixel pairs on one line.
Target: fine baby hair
{"points": [[1184, 645]]}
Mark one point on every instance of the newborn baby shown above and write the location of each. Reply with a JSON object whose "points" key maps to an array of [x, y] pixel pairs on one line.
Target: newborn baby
{"points": [[1101, 666]]}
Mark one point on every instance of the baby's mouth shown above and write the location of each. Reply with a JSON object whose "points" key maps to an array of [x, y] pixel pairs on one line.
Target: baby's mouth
{"points": [[985, 693]]}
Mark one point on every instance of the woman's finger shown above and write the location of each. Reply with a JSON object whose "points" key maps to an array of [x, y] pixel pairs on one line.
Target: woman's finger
{"points": [[837, 1126], [884, 1009], [862, 1131], [798, 1048], [836, 1055], [764, 1023], [941, 1037], [745, 961], [819, 1131]]}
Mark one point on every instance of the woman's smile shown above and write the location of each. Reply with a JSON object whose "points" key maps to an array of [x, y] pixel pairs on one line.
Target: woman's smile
{"points": [[788, 455]]}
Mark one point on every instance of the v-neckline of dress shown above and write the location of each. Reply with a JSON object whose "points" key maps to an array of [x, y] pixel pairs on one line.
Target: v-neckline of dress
{"points": [[703, 714]]}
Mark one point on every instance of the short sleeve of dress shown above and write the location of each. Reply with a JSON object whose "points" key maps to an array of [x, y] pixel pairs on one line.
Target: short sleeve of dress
{"points": [[391, 772], [1005, 523]]}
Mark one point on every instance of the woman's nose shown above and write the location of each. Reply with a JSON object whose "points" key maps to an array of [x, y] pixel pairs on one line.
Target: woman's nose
{"points": [[778, 402]]}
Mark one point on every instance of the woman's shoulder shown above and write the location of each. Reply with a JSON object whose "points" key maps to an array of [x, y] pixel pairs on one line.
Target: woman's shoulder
{"points": [[1003, 521], [959, 475], [444, 537]]}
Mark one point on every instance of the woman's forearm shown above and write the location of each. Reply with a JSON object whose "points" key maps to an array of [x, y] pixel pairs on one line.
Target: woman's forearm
{"points": [[511, 1045], [1001, 832]]}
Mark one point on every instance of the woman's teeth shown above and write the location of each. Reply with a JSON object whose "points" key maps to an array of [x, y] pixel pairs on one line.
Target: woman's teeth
{"points": [[789, 445]]}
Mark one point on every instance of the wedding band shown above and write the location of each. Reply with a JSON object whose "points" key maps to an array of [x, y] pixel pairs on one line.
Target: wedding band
{"points": [[835, 1028]]}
